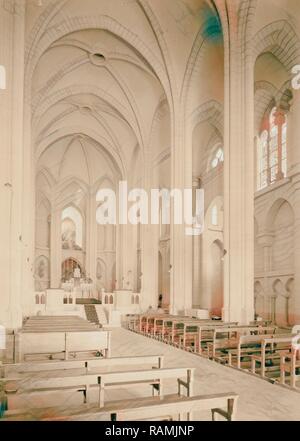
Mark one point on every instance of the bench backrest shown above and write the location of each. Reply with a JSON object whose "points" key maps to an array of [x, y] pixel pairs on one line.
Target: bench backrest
{"points": [[36, 343], [277, 339], [104, 378], [239, 330], [155, 360], [248, 339]]}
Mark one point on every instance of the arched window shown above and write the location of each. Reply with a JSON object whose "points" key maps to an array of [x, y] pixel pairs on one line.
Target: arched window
{"points": [[214, 215], [218, 158], [271, 150]]}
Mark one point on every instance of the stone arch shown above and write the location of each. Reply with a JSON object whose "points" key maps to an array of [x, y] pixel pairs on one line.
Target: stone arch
{"points": [[273, 211], [289, 286], [280, 39], [211, 111]]}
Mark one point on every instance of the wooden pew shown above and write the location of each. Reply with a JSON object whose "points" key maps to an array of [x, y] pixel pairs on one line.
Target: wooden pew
{"points": [[271, 349], [156, 408], [184, 332], [206, 333], [30, 389], [62, 344], [178, 331], [290, 362], [181, 331], [247, 346], [12, 370], [227, 338]]}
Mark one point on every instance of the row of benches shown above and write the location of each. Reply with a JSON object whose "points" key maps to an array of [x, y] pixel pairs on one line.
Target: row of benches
{"points": [[30, 387], [245, 347]]}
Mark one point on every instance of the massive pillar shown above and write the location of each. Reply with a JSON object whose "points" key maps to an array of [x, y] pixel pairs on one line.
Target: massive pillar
{"points": [[238, 171], [181, 272], [293, 139], [12, 26], [295, 301], [196, 255], [149, 245]]}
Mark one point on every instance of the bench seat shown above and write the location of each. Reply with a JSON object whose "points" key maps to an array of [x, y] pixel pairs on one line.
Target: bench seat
{"points": [[135, 409]]}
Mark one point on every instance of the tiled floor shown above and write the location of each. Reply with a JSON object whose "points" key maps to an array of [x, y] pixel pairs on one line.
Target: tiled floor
{"points": [[258, 399]]}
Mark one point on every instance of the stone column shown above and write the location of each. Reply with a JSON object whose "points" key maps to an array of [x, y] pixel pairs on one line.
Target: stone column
{"points": [[295, 301], [293, 135], [196, 255], [149, 246], [181, 256], [293, 158], [12, 27], [238, 172]]}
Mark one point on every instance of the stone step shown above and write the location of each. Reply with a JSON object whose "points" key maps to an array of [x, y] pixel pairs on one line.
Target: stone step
{"points": [[91, 313], [88, 302]]}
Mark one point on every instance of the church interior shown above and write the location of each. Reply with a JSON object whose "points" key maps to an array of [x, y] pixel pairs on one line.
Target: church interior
{"points": [[124, 321]]}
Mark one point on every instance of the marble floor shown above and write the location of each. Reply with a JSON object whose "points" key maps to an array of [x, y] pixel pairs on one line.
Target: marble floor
{"points": [[259, 400]]}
